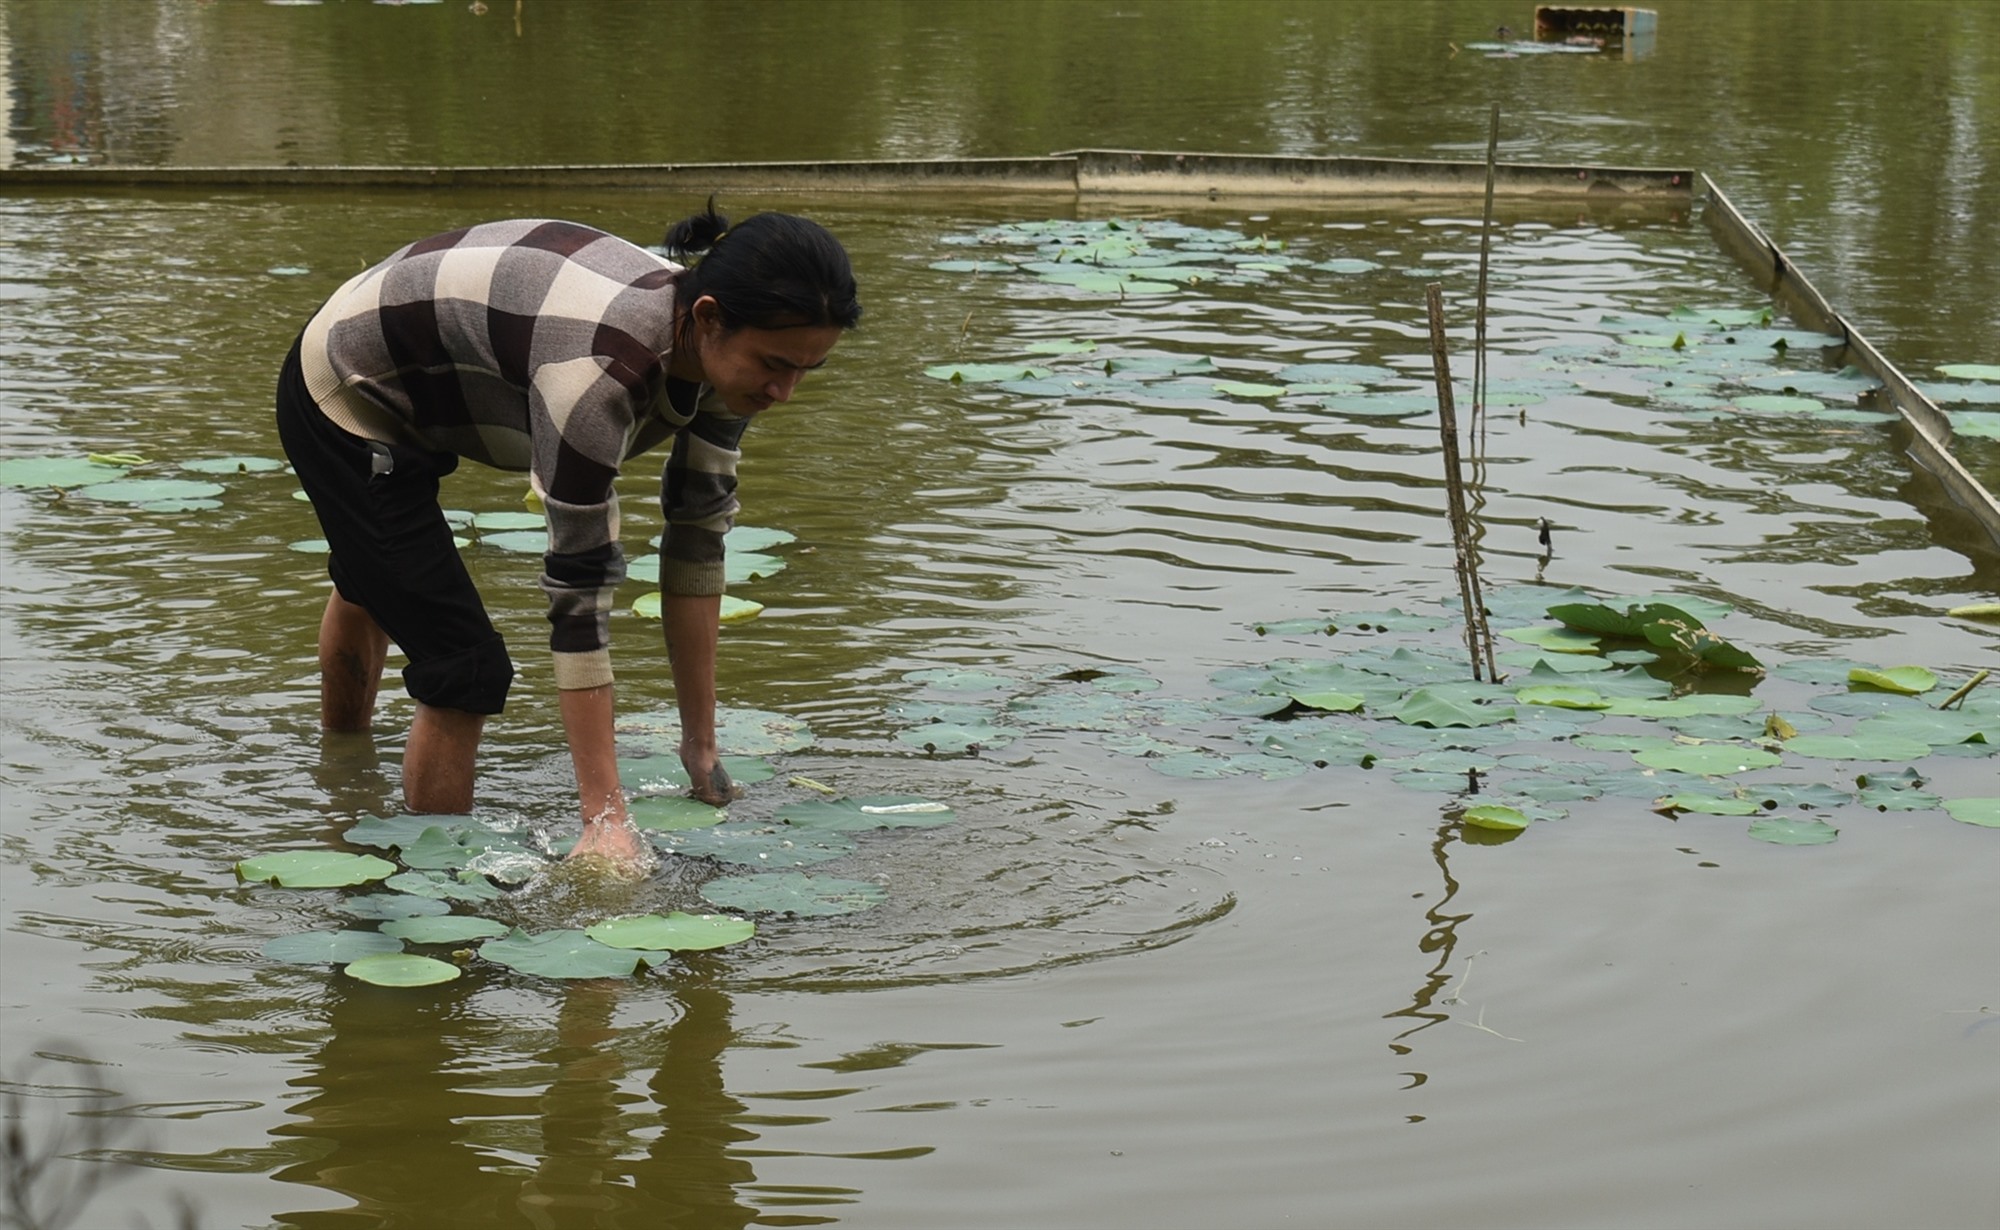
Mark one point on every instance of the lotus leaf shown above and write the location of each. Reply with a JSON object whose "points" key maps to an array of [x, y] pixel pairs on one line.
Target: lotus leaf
{"points": [[1779, 403], [1241, 388], [1061, 345], [465, 886], [645, 570], [676, 932], [950, 738], [665, 813], [1711, 759], [1072, 710], [1712, 704], [1393, 620], [1329, 702], [1842, 747], [1984, 612], [1708, 804], [316, 868], [401, 969], [1983, 812], [1792, 794], [148, 491], [1429, 707], [56, 472], [1936, 727], [959, 679], [560, 954], [660, 774], [741, 566], [486, 522], [1533, 661], [1561, 697], [747, 732], [778, 846], [521, 542], [793, 893], [1909, 680], [872, 812], [1555, 640], [1787, 831], [1497, 816], [329, 947], [1320, 747], [1972, 371], [1393, 404], [232, 465], [972, 266], [392, 905], [311, 546], [444, 929], [1889, 796], [1865, 704], [1982, 423], [758, 538]]}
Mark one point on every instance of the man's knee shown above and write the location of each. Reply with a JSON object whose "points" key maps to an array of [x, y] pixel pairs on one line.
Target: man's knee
{"points": [[475, 680]]}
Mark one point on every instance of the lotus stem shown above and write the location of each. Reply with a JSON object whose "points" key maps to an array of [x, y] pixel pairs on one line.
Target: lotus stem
{"points": [[1958, 697]]}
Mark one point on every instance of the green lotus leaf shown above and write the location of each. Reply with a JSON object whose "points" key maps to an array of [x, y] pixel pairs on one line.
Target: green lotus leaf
{"points": [[1865, 704], [316, 868], [1983, 812], [465, 886], [1252, 704], [232, 465], [444, 929], [392, 905], [1625, 742], [1971, 371], [675, 932], [1787, 831], [310, 546], [1496, 816], [62, 472], [1410, 667], [666, 813], [394, 832], [1429, 707], [959, 679], [560, 954], [1393, 404], [741, 566], [1780, 403], [1537, 663], [1726, 317], [1294, 627], [1244, 388], [1714, 704], [329, 947], [148, 490], [1323, 746], [1893, 796], [745, 732], [1708, 759], [1520, 604], [1061, 345], [766, 845], [520, 542], [401, 969], [1561, 696], [1393, 620], [664, 774], [1936, 727], [972, 266], [1554, 639], [950, 738], [1329, 702], [921, 711], [507, 521], [1843, 747], [1069, 709], [439, 849], [985, 373], [1983, 612], [758, 538], [1798, 794], [871, 812], [1909, 680], [1708, 804], [793, 893], [643, 571]]}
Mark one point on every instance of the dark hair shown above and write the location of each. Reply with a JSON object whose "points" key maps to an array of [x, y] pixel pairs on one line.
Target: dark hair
{"points": [[770, 271]]}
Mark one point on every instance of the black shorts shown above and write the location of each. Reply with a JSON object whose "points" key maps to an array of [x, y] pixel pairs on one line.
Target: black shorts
{"points": [[392, 552]]}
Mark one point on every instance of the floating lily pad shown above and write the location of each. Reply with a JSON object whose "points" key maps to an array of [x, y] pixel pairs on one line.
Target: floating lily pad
{"points": [[329, 947], [1788, 831], [311, 546], [232, 465], [1972, 371], [758, 538], [1554, 639], [560, 954], [1430, 707], [1496, 816], [741, 566], [675, 932], [401, 969], [316, 868], [505, 520], [1798, 794], [444, 929], [1709, 759], [953, 738], [871, 812], [1780, 403], [1708, 804], [1248, 389], [62, 472], [521, 542], [437, 885], [1909, 680], [1061, 345], [764, 845], [148, 490], [1983, 812], [393, 905], [1562, 697], [794, 893], [959, 679], [666, 813], [1842, 747]]}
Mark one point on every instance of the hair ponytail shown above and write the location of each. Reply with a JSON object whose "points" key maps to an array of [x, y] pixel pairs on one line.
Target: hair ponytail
{"points": [[770, 271]]}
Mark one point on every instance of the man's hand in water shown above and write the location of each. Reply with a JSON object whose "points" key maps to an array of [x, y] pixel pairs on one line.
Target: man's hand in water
{"points": [[704, 768], [614, 839]]}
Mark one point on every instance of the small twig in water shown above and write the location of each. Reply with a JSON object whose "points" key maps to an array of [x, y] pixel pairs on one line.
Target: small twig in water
{"points": [[1482, 1027], [1958, 697]]}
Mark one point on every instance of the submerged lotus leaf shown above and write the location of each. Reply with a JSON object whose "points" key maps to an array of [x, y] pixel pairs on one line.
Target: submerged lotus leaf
{"points": [[560, 954], [1322, 746], [1843, 747], [675, 932], [1345, 264], [401, 969], [1411, 667], [148, 490], [972, 266], [1393, 620], [1798, 794], [763, 845], [746, 732], [1789, 831], [921, 711], [439, 849], [870, 812], [1909, 680], [1061, 345], [437, 885], [232, 465], [661, 774], [951, 738], [508, 520], [1496, 816], [959, 679], [393, 905], [1983, 812], [444, 929], [1561, 696], [329, 947], [1625, 742], [1430, 707], [1710, 759], [316, 868], [794, 893], [56, 472], [666, 813], [1073, 710], [1779, 403]]}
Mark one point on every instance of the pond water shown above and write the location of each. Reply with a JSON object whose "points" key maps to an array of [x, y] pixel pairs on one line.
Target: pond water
{"points": [[1163, 966]]}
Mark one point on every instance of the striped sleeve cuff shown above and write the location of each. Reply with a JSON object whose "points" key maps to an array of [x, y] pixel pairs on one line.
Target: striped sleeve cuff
{"points": [[577, 671], [690, 580]]}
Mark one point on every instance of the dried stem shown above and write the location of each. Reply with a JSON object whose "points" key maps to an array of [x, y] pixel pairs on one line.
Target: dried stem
{"points": [[1479, 637]]}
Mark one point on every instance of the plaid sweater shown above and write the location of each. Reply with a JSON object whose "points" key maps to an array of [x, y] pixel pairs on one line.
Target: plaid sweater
{"points": [[539, 346]]}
